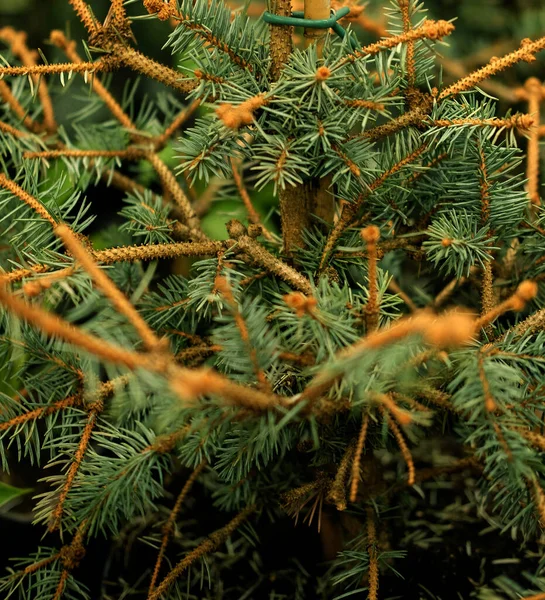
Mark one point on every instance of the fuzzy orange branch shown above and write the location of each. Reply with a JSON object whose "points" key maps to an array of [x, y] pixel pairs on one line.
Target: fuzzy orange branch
{"points": [[35, 204], [17, 40], [357, 458], [84, 13], [181, 200], [85, 439], [525, 53], [525, 292], [127, 153], [55, 69], [14, 104], [371, 235], [118, 299], [431, 30], [110, 256], [43, 411]]}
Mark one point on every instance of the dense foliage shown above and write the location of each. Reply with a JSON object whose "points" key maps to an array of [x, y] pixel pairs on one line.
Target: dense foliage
{"points": [[368, 365]]}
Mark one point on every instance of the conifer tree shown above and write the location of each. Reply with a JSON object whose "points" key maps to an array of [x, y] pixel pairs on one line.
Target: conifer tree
{"points": [[377, 347]]}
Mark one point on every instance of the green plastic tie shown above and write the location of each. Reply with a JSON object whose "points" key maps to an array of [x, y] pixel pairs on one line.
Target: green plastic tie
{"points": [[297, 19]]}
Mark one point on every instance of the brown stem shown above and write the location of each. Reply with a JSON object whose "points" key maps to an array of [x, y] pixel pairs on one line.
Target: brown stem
{"points": [[209, 545]]}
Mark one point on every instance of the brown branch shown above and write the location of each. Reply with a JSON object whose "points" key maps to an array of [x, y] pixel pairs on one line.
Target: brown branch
{"points": [[281, 42], [404, 6], [137, 61], [265, 259], [17, 108], [180, 119], [85, 15], [431, 30], [17, 41], [6, 128], [55, 69], [127, 153], [224, 288], [188, 384], [337, 491], [357, 458], [69, 48], [253, 215], [118, 299], [534, 93], [525, 53], [169, 525], [35, 204], [110, 256], [371, 235], [43, 411], [213, 542], [56, 516], [372, 543], [180, 199], [351, 209]]}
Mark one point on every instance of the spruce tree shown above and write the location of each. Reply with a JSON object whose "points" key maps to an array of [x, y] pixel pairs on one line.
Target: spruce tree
{"points": [[368, 366]]}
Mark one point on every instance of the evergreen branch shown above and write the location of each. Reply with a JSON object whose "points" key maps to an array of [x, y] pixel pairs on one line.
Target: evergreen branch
{"points": [[111, 256], [29, 200], [404, 6], [43, 411], [222, 285], [266, 260], [69, 48], [120, 16], [71, 556], [129, 57], [431, 30], [361, 103], [188, 384], [405, 452], [450, 329], [524, 122], [350, 210], [525, 292], [525, 53], [253, 215], [162, 10], [12, 130], [118, 299], [128, 153], [7, 96], [17, 41], [85, 439], [487, 287], [214, 541], [171, 185], [55, 69], [180, 119], [534, 93], [85, 16], [169, 525]]}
